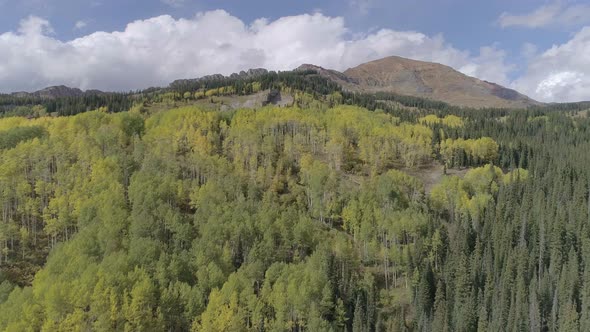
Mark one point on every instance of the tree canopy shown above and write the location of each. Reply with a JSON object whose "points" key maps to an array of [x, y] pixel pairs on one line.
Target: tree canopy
{"points": [[321, 216]]}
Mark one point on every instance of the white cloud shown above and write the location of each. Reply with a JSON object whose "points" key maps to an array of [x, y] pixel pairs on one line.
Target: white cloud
{"points": [[561, 73], [156, 51], [80, 25], [555, 14], [490, 65], [363, 6], [159, 50], [528, 50], [35, 26], [174, 3]]}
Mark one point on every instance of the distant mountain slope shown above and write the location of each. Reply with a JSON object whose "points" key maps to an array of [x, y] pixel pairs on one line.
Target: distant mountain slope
{"points": [[333, 75], [393, 74], [433, 81], [54, 92]]}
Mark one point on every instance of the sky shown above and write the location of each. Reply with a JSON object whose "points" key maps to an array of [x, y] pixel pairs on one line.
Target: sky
{"points": [[540, 48]]}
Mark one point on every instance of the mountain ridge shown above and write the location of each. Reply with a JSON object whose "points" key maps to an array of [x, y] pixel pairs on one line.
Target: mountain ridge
{"points": [[392, 74], [56, 91], [434, 81]]}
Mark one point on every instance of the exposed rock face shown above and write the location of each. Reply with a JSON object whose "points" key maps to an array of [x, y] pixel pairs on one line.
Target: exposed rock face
{"points": [[433, 81], [334, 75], [58, 91], [53, 92], [252, 73]]}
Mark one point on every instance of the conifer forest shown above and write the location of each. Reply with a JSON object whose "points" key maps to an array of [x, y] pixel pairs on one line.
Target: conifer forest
{"points": [[161, 210]]}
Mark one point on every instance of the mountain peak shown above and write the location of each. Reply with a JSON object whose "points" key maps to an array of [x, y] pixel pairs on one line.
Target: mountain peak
{"points": [[58, 91], [309, 66], [392, 74], [333, 75], [434, 81]]}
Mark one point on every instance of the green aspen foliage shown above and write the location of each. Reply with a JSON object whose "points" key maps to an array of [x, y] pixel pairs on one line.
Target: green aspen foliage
{"points": [[338, 212]]}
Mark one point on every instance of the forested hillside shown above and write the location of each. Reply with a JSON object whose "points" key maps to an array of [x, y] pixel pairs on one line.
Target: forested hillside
{"points": [[164, 217], [309, 85]]}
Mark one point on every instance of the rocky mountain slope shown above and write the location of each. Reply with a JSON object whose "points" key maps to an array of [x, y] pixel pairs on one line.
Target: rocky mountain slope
{"points": [[392, 74], [53, 92], [433, 81]]}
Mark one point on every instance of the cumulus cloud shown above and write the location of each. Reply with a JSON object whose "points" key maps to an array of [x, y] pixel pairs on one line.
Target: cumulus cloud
{"points": [[35, 26], [561, 73], [555, 14], [158, 50], [490, 65]]}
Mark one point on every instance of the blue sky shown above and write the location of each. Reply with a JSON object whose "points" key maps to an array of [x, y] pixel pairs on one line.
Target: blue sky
{"points": [[534, 46], [466, 24]]}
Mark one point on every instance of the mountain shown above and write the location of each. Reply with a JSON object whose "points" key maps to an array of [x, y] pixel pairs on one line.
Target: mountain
{"points": [[393, 74], [333, 75], [54, 92], [426, 80]]}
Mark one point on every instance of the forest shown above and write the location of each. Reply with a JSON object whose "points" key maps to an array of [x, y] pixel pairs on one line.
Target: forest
{"points": [[308, 82], [319, 216]]}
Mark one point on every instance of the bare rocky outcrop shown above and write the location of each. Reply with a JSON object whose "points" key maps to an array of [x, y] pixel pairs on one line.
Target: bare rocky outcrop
{"points": [[434, 81]]}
